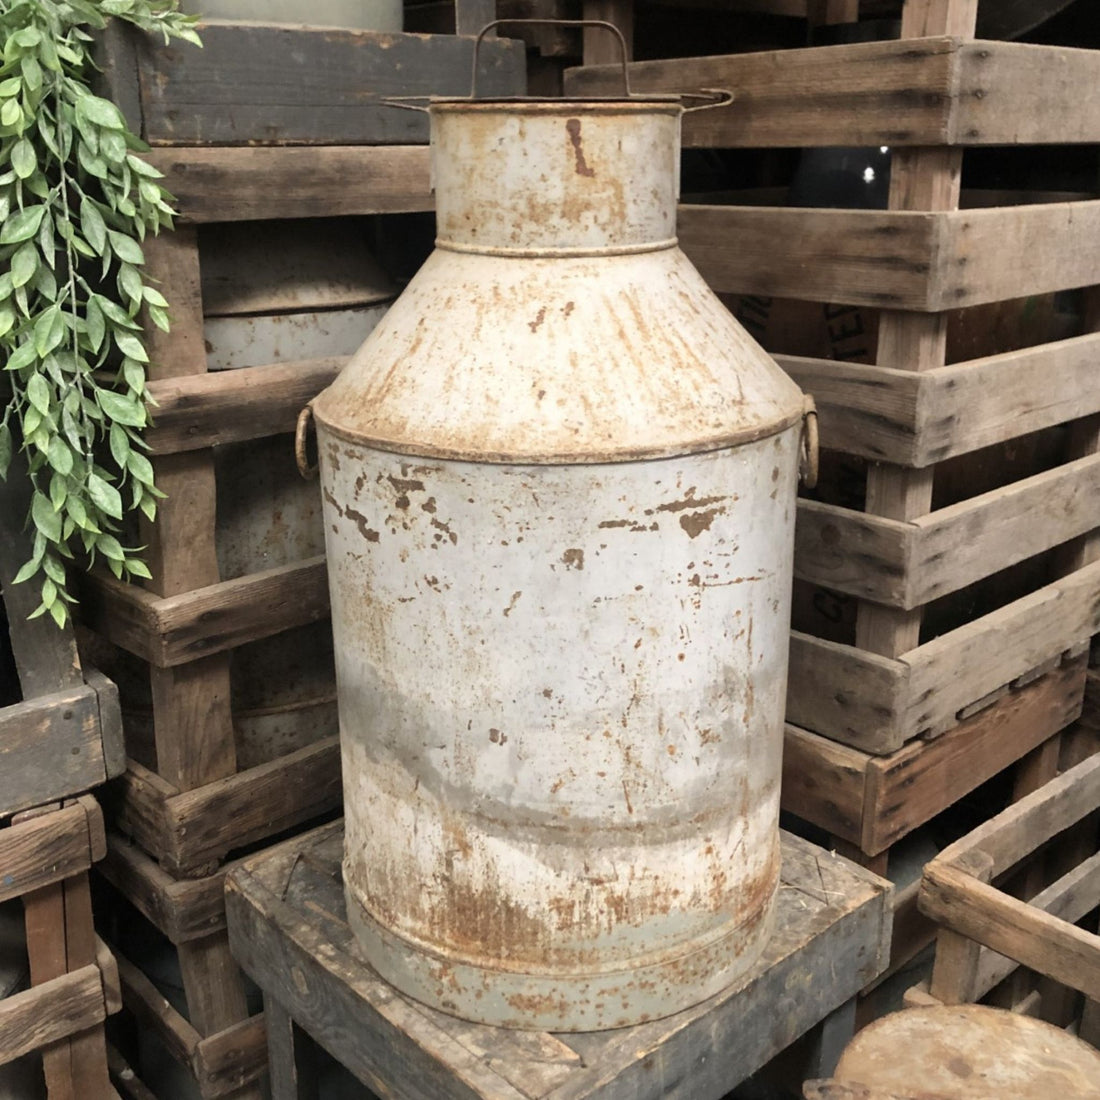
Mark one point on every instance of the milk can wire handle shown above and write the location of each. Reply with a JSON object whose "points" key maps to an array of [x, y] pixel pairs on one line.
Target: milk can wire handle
{"points": [[307, 469], [809, 456], [553, 23]]}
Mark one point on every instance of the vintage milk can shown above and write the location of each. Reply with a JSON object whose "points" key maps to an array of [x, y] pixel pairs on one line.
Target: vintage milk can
{"points": [[559, 485]]}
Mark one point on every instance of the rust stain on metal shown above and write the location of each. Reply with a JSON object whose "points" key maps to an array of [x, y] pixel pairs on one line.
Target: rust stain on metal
{"points": [[688, 501], [446, 530], [573, 128], [362, 523], [511, 605], [573, 558], [539, 318], [698, 522], [497, 737]]}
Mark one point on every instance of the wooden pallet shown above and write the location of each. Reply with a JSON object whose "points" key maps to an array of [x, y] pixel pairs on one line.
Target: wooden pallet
{"points": [[187, 912], [287, 925], [45, 854], [927, 97], [985, 933]]}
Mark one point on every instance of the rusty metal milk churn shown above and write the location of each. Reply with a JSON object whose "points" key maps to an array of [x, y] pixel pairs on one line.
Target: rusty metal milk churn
{"points": [[559, 486]]}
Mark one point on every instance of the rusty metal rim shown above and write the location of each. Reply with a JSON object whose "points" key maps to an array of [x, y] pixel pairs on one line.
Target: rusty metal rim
{"points": [[564, 458], [557, 253], [631, 969], [541, 105]]}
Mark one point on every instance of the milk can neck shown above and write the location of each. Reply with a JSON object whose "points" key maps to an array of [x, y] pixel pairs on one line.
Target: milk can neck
{"points": [[555, 177]]}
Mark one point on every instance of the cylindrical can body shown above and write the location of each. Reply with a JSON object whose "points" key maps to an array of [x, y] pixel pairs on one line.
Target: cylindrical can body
{"points": [[559, 487]]}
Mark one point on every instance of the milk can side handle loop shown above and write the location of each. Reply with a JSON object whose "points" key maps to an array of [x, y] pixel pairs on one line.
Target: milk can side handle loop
{"points": [[301, 440], [809, 456]]}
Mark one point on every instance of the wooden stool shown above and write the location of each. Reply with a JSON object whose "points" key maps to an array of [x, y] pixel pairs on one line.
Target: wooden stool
{"points": [[962, 1052]]}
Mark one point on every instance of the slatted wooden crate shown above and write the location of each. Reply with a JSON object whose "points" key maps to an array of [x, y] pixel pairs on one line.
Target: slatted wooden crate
{"points": [[927, 98]]}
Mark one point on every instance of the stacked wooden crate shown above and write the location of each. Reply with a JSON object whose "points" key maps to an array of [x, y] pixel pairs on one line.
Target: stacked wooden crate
{"points": [[223, 126], [893, 721], [63, 738]]}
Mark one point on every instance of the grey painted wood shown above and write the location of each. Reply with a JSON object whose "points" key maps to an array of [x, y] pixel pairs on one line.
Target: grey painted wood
{"points": [[287, 927], [268, 84]]}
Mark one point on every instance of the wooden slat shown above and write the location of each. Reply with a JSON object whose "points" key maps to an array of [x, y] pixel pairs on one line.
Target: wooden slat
{"points": [[241, 184], [233, 1057], [1023, 826], [824, 783], [897, 259], [180, 629], [906, 565], [919, 419], [255, 83], [182, 909], [918, 91], [43, 851], [236, 405], [912, 785], [153, 1011], [50, 748], [50, 1012], [883, 259], [847, 694], [1011, 927], [966, 664], [1069, 898]]}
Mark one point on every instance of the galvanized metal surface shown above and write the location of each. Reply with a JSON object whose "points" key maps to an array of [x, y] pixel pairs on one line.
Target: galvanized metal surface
{"points": [[970, 1052], [559, 494]]}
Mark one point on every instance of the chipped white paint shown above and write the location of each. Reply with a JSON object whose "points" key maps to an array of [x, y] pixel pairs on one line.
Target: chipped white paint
{"points": [[559, 503]]}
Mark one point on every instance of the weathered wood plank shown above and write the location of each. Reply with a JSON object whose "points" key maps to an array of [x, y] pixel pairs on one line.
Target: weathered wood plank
{"points": [[153, 1011], [256, 83], [851, 696], [235, 405], [968, 663], [919, 91], [824, 783], [242, 184], [1011, 927], [50, 1012], [50, 748], [234, 1057], [178, 630], [911, 786], [182, 909], [44, 850], [885, 259]]}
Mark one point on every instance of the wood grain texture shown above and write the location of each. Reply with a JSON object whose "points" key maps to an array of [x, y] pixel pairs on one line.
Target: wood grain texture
{"points": [[291, 1070], [153, 1012], [600, 46], [50, 748], [242, 184], [911, 786], [1011, 927], [255, 83], [824, 783], [234, 405], [286, 918], [49, 1012], [920, 91], [181, 630], [231, 1059], [43, 851]]}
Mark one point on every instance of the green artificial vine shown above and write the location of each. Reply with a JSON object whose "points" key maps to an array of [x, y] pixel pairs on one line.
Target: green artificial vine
{"points": [[75, 205]]}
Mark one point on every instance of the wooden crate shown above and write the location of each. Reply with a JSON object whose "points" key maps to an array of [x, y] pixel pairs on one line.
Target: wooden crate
{"points": [[986, 933], [927, 97], [45, 854], [271, 84], [287, 925], [190, 914]]}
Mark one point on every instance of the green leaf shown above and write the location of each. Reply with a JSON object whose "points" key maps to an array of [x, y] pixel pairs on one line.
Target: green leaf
{"points": [[134, 373], [7, 319], [32, 418], [93, 225], [26, 571], [126, 248], [95, 326], [141, 468], [129, 282], [61, 457], [130, 345], [149, 507], [32, 73], [5, 449], [104, 496], [159, 318], [54, 570], [59, 490], [115, 313], [143, 168], [28, 37], [24, 264], [100, 111], [120, 445], [38, 394], [137, 568], [11, 114], [154, 297], [22, 357], [23, 159], [75, 507], [49, 331], [112, 147], [10, 87], [22, 226], [59, 613], [46, 517], [110, 547], [91, 163], [122, 410]]}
